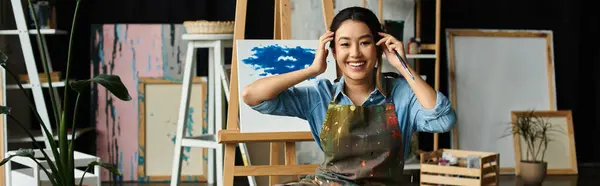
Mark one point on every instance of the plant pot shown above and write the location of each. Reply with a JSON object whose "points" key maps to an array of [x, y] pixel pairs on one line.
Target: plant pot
{"points": [[533, 173]]}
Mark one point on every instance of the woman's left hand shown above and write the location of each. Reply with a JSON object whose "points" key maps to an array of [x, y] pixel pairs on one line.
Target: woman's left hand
{"points": [[391, 44]]}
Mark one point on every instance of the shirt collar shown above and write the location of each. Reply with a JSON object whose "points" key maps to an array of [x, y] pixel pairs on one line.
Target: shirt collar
{"points": [[340, 87]]}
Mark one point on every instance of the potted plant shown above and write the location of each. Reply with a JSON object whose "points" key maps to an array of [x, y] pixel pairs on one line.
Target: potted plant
{"points": [[535, 132], [62, 167]]}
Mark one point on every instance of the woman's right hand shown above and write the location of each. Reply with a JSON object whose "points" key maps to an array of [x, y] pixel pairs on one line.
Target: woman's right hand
{"points": [[320, 63]]}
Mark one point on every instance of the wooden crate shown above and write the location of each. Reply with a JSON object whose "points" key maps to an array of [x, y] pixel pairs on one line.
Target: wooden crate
{"points": [[487, 173]]}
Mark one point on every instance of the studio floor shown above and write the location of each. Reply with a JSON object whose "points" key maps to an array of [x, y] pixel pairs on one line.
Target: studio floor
{"points": [[587, 176]]}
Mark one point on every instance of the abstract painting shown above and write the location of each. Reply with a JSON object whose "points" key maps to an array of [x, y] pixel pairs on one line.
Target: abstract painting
{"points": [[264, 58], [130, 51], [158, 122]]}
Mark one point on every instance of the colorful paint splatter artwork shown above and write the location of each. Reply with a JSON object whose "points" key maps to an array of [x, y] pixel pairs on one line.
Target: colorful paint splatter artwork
{"points": [[130, 51]]}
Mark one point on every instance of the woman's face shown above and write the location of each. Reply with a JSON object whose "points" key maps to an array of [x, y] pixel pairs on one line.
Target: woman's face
{"points": [[355, 50]]}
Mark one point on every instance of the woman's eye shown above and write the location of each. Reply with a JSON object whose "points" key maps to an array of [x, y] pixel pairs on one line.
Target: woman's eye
{"points": [[365, 43], [344, 44]]}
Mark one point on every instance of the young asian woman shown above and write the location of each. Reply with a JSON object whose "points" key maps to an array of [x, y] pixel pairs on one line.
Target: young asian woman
{"points": [[363, 122]]}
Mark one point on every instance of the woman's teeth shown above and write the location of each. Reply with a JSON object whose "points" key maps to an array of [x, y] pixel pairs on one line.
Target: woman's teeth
{"points": [[356, 64]]}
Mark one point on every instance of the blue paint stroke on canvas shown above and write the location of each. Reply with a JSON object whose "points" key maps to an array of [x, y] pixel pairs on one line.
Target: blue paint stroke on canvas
{"points": [[276, 59]]}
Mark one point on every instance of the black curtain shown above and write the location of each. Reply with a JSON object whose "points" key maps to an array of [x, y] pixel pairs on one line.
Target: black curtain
{"points": [[576, 53]]}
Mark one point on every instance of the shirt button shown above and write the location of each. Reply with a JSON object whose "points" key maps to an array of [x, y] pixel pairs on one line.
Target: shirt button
{"points": [[371, 99]]}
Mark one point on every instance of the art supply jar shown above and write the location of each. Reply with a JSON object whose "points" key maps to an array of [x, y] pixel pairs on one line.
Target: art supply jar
{"points": [[414, 46]]}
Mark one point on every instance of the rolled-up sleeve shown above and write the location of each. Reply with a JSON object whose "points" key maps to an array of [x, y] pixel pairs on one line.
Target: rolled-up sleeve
{"points": [[294, 101], [440, 119]]}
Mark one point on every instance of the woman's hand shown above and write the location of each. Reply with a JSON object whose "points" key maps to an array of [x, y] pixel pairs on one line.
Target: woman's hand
{"points": [[391, 44], [319, 65], [424, 93]]}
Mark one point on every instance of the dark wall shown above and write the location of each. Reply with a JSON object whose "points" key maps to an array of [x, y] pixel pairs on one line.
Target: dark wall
{"points": [[575, 28]]}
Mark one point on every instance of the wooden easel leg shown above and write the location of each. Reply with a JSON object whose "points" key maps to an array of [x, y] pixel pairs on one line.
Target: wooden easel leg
{"points": [[228, 164], [232, 113], [281, 30], [277, 21], [327, 19], [290, 153], [438, 13], [274, 160]]}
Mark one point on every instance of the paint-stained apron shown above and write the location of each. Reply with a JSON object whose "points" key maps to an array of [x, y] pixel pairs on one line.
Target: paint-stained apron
{"points": [[362, 146]]}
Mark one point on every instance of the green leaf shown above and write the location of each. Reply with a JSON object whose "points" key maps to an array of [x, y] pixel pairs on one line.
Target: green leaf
{"points": [[80, 85], [4, 110], [3, 57], [21, 152], [110, 167], [113, 84]]}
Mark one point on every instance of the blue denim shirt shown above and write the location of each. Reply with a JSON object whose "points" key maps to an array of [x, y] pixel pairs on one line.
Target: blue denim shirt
{"points": [[311, 102]]}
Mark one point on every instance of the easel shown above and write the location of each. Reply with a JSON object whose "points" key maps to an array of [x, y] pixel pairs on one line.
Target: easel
{"points": [[232, 136], [2, 126]]}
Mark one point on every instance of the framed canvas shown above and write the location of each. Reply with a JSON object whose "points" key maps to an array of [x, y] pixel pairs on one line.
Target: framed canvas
{"points": [[265, 58], [159, 101], [560, 152], [490, 74]]}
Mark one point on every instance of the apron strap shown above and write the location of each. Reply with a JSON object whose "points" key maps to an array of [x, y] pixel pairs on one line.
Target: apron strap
{"points": [[388, 86]]}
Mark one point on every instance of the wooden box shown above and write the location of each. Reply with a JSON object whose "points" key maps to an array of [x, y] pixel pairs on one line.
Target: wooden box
{"points": [[486, 173]]}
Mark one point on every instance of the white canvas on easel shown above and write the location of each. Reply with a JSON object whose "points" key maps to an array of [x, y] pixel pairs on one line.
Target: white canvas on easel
{"points": [[491, 73], [253, 121]]}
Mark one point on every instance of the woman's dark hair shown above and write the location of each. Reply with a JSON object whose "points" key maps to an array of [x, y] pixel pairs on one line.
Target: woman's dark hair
{"points": [[370, 19], [357, 14]]}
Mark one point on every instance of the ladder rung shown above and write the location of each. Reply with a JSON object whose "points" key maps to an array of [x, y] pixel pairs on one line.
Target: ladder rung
{"points": [[205, 141], [28, 86], [34, 32]]}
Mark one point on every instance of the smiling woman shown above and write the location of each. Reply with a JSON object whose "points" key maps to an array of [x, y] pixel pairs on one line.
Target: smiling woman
{"points": [[363, 122]]}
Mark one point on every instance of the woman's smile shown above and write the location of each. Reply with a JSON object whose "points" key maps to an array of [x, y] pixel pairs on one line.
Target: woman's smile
{"points": [[356, 65]]}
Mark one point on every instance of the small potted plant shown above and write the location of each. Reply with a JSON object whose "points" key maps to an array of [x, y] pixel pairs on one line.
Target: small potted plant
{"points": [[534, 132]]}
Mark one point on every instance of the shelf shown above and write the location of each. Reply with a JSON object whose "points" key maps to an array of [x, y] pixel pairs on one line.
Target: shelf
{"points": [[417, 56], [207, 37], [412, 166], [420, 56], [21, 137], [80, 159], [34, 32], [28, 86], [25, 177]]}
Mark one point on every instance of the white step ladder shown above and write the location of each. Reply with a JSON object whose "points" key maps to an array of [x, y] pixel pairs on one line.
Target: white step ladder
{"points": [[217, 82], [36, 87]]}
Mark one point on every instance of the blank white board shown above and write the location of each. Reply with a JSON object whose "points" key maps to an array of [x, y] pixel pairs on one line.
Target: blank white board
{"points": [[159, 101], [494, 72]]}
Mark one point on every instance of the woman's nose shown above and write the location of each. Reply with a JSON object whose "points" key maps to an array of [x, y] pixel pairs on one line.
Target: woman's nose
{"points": [[355, 52]]}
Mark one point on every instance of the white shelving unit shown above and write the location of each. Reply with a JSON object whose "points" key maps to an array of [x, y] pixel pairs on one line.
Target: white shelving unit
{"points": [[29, 85], [33, 32], [32, 175]]}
